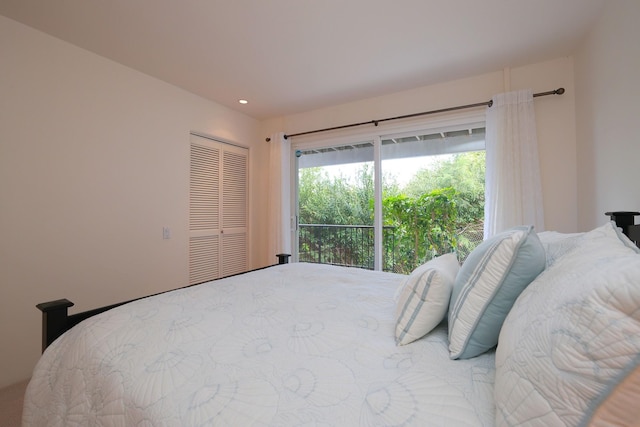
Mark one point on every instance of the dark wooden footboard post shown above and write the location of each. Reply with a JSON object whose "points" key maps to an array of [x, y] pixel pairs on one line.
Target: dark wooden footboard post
{"points": [[54, 320], [283, 258]]}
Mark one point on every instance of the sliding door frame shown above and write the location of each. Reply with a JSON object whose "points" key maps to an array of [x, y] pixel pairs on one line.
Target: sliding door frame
{"points": [[461, 120]]}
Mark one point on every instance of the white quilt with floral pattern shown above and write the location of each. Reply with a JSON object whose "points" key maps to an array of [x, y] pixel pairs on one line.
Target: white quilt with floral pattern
{"points": [[292, 345]]}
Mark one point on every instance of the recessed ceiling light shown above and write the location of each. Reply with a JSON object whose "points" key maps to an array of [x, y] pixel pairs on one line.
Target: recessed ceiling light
{"points": [[243, 101]]}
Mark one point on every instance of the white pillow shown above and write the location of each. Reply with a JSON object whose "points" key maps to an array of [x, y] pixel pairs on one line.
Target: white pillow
{"points": [[486, 287], [557, 244], [423, 298], [569, 349]]}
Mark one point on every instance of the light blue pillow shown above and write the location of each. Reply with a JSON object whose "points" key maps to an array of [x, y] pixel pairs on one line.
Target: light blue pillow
{"points": [[489, 281]]}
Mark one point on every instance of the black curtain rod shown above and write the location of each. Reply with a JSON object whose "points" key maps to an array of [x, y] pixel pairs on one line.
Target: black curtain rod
{"points": [[489, 103]]}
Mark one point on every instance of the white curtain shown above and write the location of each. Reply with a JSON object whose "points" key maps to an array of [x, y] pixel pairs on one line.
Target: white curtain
{"points": [[280, 195], [513, 191]]}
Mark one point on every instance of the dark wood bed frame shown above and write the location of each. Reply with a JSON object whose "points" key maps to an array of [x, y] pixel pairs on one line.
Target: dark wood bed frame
{"points": [[626, 221], [56, 320]]}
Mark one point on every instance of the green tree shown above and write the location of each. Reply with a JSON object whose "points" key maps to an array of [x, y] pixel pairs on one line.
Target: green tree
{"points": [[335, 200], [466, 173], [424, 227]]}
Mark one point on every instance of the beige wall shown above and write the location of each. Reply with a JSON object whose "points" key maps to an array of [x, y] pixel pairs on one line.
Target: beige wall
{"points": [[555, 116], [608, 112], [93, 164]]}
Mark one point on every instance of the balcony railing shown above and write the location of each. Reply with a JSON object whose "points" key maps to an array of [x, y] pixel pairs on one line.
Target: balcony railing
{"points": [[353, 246], [346, 245]]}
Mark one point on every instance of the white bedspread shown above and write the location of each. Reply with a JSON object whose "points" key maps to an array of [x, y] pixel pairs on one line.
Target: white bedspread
{"points": [[292, 345]]}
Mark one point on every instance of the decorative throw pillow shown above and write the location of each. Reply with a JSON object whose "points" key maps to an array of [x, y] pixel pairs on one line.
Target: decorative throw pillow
{"points": [[569, 350], [486, 287], [423, 298]]}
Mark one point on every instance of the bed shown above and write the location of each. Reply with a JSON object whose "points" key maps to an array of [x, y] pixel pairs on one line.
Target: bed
{"points": [[504, 339]]}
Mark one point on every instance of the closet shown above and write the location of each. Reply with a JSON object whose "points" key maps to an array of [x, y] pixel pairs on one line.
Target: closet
{"points": [[218, 214]]}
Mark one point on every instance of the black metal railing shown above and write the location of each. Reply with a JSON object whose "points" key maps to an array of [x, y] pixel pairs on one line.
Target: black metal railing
{"points": [[353, 246], [346, 245]]}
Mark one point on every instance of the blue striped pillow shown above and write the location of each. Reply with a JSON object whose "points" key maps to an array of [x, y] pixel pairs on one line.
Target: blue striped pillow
{"points": [[424, 298], [489, 281]]}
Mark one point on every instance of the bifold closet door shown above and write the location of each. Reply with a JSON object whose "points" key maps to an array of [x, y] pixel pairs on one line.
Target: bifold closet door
{"points": [[218, 213]]}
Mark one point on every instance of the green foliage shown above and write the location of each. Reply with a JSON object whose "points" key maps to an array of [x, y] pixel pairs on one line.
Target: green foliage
{"points": [[440, 210], [335, 200], [424, 226], [465, 172]]}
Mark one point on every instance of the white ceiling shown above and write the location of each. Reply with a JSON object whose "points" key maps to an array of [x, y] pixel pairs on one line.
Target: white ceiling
{"points": [[290, 56]]}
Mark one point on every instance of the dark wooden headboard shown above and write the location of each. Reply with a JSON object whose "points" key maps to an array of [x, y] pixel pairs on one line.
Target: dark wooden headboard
{"points": [[626, 221]]}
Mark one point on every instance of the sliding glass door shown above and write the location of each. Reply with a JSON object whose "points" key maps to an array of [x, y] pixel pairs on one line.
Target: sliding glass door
{"points": [[392, 202]]}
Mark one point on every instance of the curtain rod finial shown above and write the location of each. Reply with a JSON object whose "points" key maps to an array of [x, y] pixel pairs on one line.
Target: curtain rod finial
{"points": [[268, 139], [560, 91]]}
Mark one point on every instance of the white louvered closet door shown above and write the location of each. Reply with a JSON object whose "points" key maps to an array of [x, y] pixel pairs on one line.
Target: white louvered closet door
{"points": [[218, 211]]}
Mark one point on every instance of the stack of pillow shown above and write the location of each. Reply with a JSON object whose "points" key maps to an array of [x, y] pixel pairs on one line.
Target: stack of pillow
{"points": [[563, 311], [476, 297]]}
